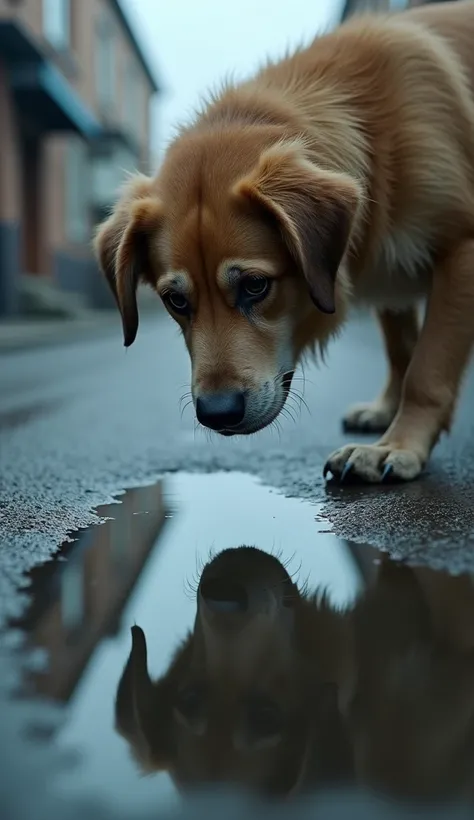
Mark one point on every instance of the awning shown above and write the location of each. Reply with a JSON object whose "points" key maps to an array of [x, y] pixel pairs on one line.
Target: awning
{"points": [[41, 91]]}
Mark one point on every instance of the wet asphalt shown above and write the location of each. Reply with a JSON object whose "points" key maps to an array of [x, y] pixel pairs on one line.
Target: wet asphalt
{"points": [[81, 421]]}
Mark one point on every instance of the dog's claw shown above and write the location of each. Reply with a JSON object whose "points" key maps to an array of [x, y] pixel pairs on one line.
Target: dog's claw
{"points": [[345, 472], [387, 471]]}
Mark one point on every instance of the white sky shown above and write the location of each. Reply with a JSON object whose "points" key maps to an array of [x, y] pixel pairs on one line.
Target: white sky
{"points": [[193, 44]]}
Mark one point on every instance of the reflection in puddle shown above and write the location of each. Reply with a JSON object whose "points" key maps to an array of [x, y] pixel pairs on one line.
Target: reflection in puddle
{"points": [[251, 696], [79, 597], [272, 689], [85, 605]]}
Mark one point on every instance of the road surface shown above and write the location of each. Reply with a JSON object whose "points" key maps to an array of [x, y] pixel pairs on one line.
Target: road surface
{"points": [[79, 422], [82, 421]]}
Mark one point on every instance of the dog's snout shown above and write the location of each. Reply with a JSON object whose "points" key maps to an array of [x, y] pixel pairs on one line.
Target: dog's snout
{"points": [[224, 595], [221, 411]]}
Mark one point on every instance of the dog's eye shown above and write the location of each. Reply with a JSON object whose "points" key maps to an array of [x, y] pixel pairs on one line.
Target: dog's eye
{"points": [[254, 287], [189, 700], [177, 302]]}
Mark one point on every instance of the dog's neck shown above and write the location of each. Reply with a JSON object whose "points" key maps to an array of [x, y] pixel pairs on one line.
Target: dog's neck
{"points": [[325, 640]]}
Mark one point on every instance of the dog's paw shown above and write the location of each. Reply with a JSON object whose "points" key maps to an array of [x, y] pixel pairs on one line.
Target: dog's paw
{"points": [[373, 417], [373, 464]]}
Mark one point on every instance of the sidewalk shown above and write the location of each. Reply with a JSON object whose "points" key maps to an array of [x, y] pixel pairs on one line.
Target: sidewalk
{"points": [[51, 316], [26, 334]]}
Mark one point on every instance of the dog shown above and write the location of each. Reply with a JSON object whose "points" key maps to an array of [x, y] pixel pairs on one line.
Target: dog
{"points": [[277, 692], [253, 696], [341, 175]]}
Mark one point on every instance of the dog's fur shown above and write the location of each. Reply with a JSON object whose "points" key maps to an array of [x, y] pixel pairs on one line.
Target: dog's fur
{"points": [[343, 174], [380, 694], [412, 712], [251, 698]]}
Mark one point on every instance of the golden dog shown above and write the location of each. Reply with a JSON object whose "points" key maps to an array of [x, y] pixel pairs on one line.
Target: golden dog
{"points": [[341, 175]]}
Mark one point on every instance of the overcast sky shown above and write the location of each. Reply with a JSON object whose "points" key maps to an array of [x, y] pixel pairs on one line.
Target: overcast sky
{"points": [[192, 44]]}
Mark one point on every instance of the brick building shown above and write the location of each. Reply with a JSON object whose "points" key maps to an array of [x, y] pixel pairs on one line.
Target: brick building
{"points": [[75, 92]]}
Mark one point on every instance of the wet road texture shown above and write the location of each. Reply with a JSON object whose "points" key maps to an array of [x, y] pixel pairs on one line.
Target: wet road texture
{"points": [[81, 423]]}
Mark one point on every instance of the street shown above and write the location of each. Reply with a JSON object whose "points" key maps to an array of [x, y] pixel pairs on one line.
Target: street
{"points": [[83, 421], [201, 625]]}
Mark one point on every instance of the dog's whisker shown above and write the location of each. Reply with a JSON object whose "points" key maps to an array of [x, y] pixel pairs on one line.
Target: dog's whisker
{"points": [[189, 590], [183, 409], [297, 390], [275, 425], [286, 563], [286, 408], [297, 407], [286, 412], [303, 378], [293, 403], [295, 399], [301, 401]]}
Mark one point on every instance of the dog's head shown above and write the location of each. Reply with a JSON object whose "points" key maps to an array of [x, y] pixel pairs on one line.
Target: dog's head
{"points": [[243, 238], [239, 703]]}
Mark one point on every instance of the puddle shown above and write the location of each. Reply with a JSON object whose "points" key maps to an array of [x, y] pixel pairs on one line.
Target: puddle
{"points": [[415, 639]]}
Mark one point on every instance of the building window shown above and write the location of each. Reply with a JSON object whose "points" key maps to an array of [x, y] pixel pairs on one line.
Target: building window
{"points": [[105, 65], [77, 191], [57, 23], [133, 100]]}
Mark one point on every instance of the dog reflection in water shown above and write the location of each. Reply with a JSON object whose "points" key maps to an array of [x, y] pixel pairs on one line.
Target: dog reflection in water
{"points": [[276, 691], [252, 696], [411, 715]]}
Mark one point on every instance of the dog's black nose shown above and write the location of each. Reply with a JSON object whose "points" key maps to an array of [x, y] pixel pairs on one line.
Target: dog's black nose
{"points": [[221, 411], [224, 595]]}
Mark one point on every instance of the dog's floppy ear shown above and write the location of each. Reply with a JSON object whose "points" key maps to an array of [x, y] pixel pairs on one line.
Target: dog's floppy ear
{"points": [[122, 248], [314, 209], [143, 709]]}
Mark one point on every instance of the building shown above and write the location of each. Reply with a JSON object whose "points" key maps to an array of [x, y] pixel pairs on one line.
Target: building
{"points": [[78, 602], [351, 7], [75, 92]]}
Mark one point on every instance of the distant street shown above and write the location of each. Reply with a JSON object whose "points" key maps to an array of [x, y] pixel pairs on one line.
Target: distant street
{"points": [[81, 421]]}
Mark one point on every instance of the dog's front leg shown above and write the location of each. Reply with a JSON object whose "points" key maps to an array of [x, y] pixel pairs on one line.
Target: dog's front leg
{"points": [[431, 383], [400, 333]]}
